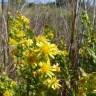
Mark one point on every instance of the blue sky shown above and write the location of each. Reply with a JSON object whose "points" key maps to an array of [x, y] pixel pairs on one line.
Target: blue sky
{"points": [[41, 1], [36, 1]]}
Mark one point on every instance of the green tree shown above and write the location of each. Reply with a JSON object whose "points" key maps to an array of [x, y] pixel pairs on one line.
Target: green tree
{"points": [[60, 2]]}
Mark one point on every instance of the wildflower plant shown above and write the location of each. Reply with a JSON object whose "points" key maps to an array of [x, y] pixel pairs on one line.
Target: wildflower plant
{"points": [[7, 85], [33, 56]]}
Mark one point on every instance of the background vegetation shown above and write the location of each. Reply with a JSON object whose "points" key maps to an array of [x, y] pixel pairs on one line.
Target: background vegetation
{"points": [[66, 26]]}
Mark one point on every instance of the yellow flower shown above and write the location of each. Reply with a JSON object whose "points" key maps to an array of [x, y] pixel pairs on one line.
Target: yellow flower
{"points": [[45, 68], [13, 83], [54, 83], [18, 23], [12, 41], [20, 34], [56, 68], [26, 42], [26, 53], [8, 93], [48, 49], [41, 39], [50, 35], [45, 49], [26, 20]]}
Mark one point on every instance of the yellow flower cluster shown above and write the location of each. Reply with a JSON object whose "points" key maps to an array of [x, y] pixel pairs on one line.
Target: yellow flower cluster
{"points": [[8, 93], [54, 83], [17, 29], [18, 24], [46, 48], [12, 41], [26, 42], [26, 20], [45, 67], [20, 34], [35, 52], [56, 68], [41, 39], [13, 83], [48, 69]]}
